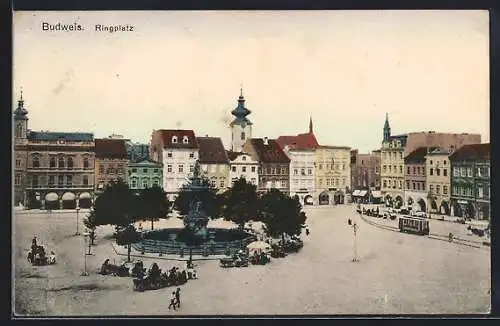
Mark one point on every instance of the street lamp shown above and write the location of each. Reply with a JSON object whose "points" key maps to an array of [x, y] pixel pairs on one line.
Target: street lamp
{"points": [[85, 273], [77, 220], [355, 229]]}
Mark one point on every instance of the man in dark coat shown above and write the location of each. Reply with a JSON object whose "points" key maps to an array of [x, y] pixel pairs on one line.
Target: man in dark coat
{"points": [[178, 297]]}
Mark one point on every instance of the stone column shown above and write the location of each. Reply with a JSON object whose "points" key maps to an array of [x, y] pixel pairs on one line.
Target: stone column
{"points": [[60, 204], [42, 203]]}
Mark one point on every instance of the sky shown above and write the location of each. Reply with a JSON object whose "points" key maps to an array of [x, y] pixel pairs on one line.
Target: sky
{"points": [[429, 70]]}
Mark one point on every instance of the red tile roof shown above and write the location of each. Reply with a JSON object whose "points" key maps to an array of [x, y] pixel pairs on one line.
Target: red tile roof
{"points": [[472, 152], [418, 155], [270, 153], [212, 151], [233, 155], [301, 141], [168, 134], [110, 148]]}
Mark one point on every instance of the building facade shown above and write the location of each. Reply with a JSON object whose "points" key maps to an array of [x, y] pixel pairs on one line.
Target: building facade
{"points": [[110, 162], [241, 127], [137, 152], [145, 174], [395, 148], [333, 174], [274, 165], [470, 182], [243, 165], [300, 149], [53, 170], [214, 162], [416, 189], [177, 150], [438, 176], [365, 170]]}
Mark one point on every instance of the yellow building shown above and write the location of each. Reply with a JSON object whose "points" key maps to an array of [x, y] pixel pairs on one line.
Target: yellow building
{"points": [[438, 174], [214, 162], [333, 174]]}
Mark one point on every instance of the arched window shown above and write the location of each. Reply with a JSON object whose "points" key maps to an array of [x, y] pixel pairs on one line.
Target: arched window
{"points": [[86, 162], [52, 162], [61, 162], [174, 139], [36, 162], [70, 162], [19, 130], [185, 140]]}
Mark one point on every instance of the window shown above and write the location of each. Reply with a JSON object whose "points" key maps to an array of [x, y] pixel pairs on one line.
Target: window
{"points": [[309, 171], [191, 155], [283, 171], [17, 179], [222, 183], [52, 162], [445, 189], [302, 171], [384, 168], [445, 172], [253, 168], [134, 183], [69, 180], [408, 170], [174, 139], [185, 140], [401, 169], [181, 168], [36, 162], [320, 166], [169, 168], [385, 183], [85, 180], [60, 180], [438, 189], [283, 184], [455, 190], [52, 181], [431, 162], [327, 182], [156, 182], [253, 181], [431, 171], [431, 189], [243, 136], [320, 182], [191, 168], [70, 162], [408, 185], [243, 169], [418, 185], [144, 170], [390, 168], [414, 170], [469, 172], [233, 168], [438, 172], [61, 162], [34, 181], [145, 183], [343, 167], [413, 185], [213, 183], [456, 172], [155, 170], [463, 172], [400, 155], [86, 164], [480, 193], [169, 154]]}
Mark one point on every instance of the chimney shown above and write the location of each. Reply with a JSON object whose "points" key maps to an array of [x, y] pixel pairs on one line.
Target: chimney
{"points": [[266, 141]]}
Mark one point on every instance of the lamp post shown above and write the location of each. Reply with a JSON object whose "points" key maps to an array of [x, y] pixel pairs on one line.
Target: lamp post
{"points": [[85, 273], [77, 221], [355, 229]]}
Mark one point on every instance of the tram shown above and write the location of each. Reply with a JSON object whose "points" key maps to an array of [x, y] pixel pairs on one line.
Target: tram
{"points": [[413, 224]]}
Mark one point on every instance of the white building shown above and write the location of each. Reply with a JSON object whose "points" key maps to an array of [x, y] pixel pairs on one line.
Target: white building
{"points": [[178, 151], [302, 174], [242, 165]]}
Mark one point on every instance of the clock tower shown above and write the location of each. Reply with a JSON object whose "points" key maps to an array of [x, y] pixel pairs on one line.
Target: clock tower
{"points": [[241, 127]]}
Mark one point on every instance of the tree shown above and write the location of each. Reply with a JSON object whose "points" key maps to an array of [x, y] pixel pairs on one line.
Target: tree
{"points": [[126, 237], [241, 202], [90, 223], [117, 205], [206, 193], [281, 214], [154, 204]]}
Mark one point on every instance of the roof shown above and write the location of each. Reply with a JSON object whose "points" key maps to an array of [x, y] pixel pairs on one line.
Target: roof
{"points": [[418, 155], [334, 147], [168, 134], [212, 151], [301, 141], [234, 155], [54, 136], [472, 152], [439, 151], [270, 153], [145, 163], [110, 148]]}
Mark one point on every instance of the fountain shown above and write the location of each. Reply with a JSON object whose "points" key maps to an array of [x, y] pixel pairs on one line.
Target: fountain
{"points": [[195, 236]]}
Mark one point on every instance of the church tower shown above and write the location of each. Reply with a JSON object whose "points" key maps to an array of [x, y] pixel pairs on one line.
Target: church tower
{"points": [[20, 120], [241, 127], [387, 128]]}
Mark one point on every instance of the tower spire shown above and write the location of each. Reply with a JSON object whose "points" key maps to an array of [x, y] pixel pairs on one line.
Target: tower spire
{"points": [[310, 125], [241, 89], [387, 128]]}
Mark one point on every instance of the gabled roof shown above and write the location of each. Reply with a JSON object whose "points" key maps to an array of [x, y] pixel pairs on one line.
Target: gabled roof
{"points": [[168, 134], [418, 155], [110, 148], [472, 152], [300, 141], [54, 136], [270, 153], [211, 151]]}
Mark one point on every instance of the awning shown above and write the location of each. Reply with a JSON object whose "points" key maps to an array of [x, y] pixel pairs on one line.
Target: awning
{"points": [[376, 194], [355, 193], [309, 200], [51, 196], [68, 196], [362, 193], [85, 195]]}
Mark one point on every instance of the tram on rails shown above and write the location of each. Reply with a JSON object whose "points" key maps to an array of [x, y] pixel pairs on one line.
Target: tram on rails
{"points": [[412, 224]]}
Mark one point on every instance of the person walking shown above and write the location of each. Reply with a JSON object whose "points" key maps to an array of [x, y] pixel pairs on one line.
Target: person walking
{"points": [[349, 222], [178, 297], [172, 301]]}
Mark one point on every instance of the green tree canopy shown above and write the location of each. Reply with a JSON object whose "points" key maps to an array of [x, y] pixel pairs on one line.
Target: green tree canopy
{"points": [[154, 204], [241, 202], [117, 205]]}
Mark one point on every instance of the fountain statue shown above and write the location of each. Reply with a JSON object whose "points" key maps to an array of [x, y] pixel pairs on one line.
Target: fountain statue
{"points": [[196, 220]]}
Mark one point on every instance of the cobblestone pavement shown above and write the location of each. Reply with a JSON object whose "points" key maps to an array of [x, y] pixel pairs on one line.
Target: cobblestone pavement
{"points": [[396, 273]]}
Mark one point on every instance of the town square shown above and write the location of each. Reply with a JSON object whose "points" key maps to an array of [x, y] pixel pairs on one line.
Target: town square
{"points": [[195, 169]]}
